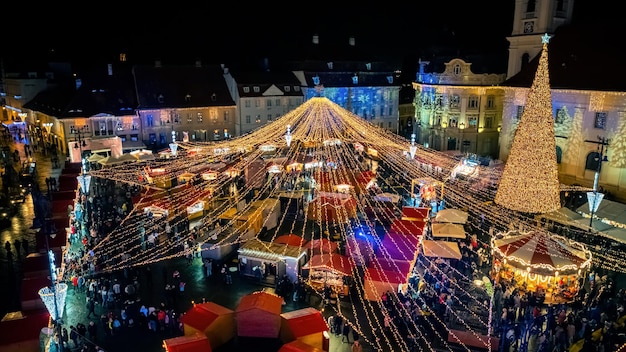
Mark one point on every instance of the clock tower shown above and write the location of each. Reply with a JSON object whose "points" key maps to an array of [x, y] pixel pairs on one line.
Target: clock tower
{"points": [[532, 19]]}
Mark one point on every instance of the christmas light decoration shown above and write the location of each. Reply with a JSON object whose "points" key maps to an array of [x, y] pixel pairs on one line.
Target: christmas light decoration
{"points": [[48, 295], [530, 181]]}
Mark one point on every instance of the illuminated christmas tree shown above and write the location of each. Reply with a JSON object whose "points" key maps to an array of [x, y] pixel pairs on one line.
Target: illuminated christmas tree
{"points": [[530, 182], [575, 140], [618, 147]]}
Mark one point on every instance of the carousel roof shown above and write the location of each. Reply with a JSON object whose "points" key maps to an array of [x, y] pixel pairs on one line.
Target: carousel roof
{"points": [[541, 250]]}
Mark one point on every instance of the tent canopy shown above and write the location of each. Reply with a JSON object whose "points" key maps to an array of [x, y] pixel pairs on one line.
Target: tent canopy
{"points": [[446, 229], [333, 261], [323, 245], [456, 216], [441, 249], [542, 251], [292, 240]]}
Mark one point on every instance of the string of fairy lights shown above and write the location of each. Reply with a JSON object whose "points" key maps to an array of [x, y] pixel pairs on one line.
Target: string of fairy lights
{"points": [[329, 135]]}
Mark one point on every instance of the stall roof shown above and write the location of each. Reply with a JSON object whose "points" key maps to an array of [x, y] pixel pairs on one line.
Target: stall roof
{"points": [[200, 316], [392, 277], [333, 261], [305, 321], [456, 216], [610, 210], [447, 229], [261, 300], [441, 249], [270, 251]]}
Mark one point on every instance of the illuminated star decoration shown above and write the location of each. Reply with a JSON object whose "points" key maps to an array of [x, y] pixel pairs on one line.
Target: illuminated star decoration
{"points": [[545, 39]]}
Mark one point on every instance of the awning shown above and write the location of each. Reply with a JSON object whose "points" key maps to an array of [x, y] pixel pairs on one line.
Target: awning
{"points": [[441, 249], [446, 229]]}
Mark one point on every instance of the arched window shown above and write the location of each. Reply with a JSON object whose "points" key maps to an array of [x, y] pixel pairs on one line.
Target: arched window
{"points": [[530, 6], [559, 154], [592, 162]]}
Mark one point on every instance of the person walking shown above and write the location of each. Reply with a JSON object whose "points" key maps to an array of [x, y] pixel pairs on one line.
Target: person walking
{"points": [[91, 307]]}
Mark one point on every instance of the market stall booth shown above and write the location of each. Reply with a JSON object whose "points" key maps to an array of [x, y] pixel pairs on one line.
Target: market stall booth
{"points": [[291, 240], [448, 230], [188, 343], [451, 215], [306, 325], [258, 315], [274, 258], [441, 249], [321, 245], [542, 262], [211, 320], [330, 269], [362, 248]]}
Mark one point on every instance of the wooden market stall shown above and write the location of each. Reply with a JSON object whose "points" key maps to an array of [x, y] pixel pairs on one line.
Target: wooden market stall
{"points": [[212, 320], [276, 259], [321, 245], [448, 230], [332, 207], [441, 249], [188, 343], [307, 325], [378, 281], [258, 315], [330, 269], [450, 215]]}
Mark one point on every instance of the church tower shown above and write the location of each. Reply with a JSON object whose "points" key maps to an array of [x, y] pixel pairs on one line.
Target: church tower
{"points": [[532, 19]]}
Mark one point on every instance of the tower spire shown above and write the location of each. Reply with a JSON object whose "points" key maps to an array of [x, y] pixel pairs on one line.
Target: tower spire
{"points": [[530, 181]]}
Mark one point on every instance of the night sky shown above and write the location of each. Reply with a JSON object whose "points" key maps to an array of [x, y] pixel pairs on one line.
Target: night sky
{"points": [[230, 31]]}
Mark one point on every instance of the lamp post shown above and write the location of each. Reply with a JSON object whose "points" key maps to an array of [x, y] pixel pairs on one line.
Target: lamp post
{"points": [[594, 198], [79, 143], [461, 128], [54, 295]]}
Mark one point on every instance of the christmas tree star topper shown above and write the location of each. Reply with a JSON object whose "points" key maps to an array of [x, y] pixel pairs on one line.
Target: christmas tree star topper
{"points": [[545, 39]]}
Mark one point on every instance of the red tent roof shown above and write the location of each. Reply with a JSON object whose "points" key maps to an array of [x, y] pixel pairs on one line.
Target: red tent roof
{"points": [[306, 321], [393, 277], [30, 287], [415, 212], [291, 240], [192, 343], [261, 300], [26, 329], [200, 316], [332, 261], [388, 264], [324, 245], [298, 346], [406, 227]]}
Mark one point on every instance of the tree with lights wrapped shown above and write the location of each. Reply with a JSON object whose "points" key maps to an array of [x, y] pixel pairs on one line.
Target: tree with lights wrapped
{"points": [[530, 182], [575, 141], [618, 147]]}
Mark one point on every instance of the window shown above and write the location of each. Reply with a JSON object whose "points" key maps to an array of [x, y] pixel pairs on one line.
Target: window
{"points": [[134, 126], [520, 111], [457, 69], [600, 120], [489, 121], [213, 115], [247, 103], [257, 103], [226, 115], [152, 137], [268, 103], [248, 119], [246, 89], [134, 137], [296, 88], [491, 102], [161, 98], [122, 137], [455, 101], [277, 102], [559, 154], [472, 120], [162, 138], [256, 89], [593, 162], [149, 120], [189, 119], [389, 124], [472, 102], [200, 117], [119, 126], [269, 117], [530, 6], [287, 89]]}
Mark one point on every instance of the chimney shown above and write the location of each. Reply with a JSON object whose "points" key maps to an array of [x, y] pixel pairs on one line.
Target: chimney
{"points": [[316, 39], [110, 69], [351, 41]]}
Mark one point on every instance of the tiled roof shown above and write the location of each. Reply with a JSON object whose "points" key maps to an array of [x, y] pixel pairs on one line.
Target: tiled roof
{"points": [[190, 86], [345, 79], [265, 80], [580, 58]]}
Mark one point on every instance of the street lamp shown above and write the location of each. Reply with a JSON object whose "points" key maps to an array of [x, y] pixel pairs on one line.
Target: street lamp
{"points": [[53, 296], [461, 128], [83, 178], [594, 198]]}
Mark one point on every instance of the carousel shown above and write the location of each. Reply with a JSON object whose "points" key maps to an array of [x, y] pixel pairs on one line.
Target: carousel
{"points": [[543, 263]]}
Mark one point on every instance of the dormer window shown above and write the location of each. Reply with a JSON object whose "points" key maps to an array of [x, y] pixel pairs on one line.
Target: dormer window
{"points": [[316, 80], [246, 89], [355, 79], [287, 89], [457, 69], [161, 98], [368, 66], [256, 89], [213, 97], [330, 65], [188, 97], [296, 88], [390, 79]]}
